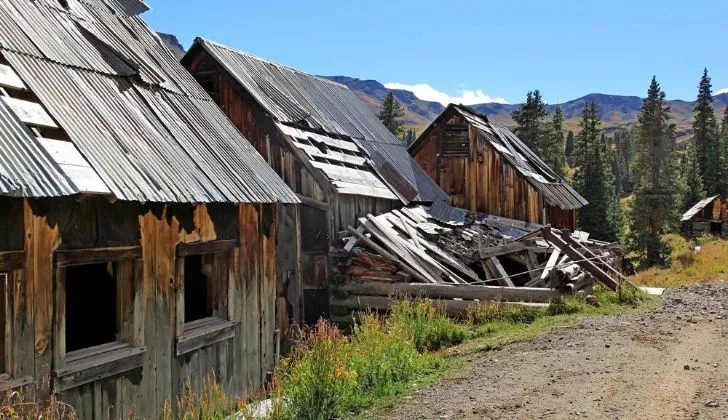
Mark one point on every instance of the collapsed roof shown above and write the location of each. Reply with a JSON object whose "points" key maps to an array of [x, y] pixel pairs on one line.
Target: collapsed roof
{"points": [[132, 116], [556, 192], [309, 106]]}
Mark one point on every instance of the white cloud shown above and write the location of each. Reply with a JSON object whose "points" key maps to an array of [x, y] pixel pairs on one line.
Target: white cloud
{"points": [[719, 91], [428, 93]]}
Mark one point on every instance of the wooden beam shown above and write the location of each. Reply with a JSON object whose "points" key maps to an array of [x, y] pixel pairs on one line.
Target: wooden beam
{"points": [[581, 259], [588, 252], [495, 251], [70, 257], [203, 333], [201, 248], [312, 202], [445, 291], [550, 264], [12, 260], [503, 278], [455, 308], [99, 366]]}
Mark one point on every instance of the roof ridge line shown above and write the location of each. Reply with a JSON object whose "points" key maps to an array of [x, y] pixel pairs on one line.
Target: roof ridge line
{"points": [[204, 40]]}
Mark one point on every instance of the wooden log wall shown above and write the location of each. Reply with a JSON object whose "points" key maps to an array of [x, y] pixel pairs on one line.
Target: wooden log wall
{"points": [[482, 181], [54, 232]]}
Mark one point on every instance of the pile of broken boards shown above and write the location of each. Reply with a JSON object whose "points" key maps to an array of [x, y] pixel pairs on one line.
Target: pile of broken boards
{"points": [[460, 258]]}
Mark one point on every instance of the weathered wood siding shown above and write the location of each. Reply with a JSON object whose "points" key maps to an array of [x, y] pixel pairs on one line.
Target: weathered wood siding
{"points": [[711, 220], [244, 112], [484, 182], [50, 226]]}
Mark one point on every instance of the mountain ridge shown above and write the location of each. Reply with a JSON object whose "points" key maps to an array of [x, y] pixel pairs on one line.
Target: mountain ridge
{"points": [[615, 111]]}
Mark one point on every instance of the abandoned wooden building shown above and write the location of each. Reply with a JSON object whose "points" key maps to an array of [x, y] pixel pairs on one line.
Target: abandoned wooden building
{"points": [[322, 140], [708, 216], [137, 225], [485, 168]]}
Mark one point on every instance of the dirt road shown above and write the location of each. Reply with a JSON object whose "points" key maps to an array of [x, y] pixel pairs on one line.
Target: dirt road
{"points": [[669, 363]]}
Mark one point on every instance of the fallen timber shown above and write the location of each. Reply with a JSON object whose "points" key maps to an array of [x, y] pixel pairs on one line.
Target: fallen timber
{"points": [[465, 260]]}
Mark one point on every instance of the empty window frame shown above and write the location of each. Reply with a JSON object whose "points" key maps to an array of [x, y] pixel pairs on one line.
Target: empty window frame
{"points": [[203, 271], [98, 331]]}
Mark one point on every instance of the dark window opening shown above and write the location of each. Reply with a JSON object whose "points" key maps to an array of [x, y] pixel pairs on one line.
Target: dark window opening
{"points": [[716, 228], [197, 285], [208, 83], [90, 305]]}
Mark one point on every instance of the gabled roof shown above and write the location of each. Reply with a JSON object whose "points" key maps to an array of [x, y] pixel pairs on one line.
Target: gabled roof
{"points": [[316, 105], [698, 207], [556, 192], [144, 125]]}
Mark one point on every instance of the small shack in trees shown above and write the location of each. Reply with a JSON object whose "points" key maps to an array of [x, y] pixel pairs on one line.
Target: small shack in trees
{"points": [[137, 225], [323, 141], [708, 216], [485, 168]]}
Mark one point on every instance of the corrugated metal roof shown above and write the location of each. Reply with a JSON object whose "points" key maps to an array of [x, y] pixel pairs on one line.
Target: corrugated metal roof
{"points": [[697, 208], [152, 136], [556, 192], [25, 168], [313, 103]]}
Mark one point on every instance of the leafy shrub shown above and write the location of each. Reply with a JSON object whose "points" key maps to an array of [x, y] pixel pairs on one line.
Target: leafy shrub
{"points": [[384, 358], [565, 306], [426, 325], [317, 381]]}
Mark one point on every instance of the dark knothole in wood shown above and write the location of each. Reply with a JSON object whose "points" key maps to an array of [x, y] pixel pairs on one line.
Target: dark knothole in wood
{"points": [[198, 276], [90, 305]]}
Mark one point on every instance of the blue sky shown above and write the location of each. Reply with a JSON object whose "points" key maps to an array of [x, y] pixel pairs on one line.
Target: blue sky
{"points": [[476, 50]]}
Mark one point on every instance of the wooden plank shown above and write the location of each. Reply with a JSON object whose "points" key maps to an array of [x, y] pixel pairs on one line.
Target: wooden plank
{"points": [[204, 336], [503, 278], [312, 202], [354, 239], [94, 351], [70, 257], [383, 252], [92, 369], [586, 251], [314, 152], [350, 188], [201, 248], [445, 291], [495, 251], [12, 260], [581, 260], [10, 79], [30, 113], [550, 264], [457, 308]]}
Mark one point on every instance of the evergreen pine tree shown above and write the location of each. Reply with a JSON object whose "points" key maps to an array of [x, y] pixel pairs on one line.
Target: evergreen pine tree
{"points": [[656, 202], [529, 118], [391, 113], [691, 183], [569, 147], [723, 174], [409, 137], [553, 143], [706, 137], [594, 179]]}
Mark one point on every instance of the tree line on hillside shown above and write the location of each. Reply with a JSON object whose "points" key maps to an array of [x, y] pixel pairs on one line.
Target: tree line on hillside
{"points": [[642, 165]]}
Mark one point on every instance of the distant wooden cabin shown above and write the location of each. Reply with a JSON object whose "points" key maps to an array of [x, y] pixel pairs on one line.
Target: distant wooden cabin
{"points": [[486, 168], [137, 225], [322, 140], [707, 217]]}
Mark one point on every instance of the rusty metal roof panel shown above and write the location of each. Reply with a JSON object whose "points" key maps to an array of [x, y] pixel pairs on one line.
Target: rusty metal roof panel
{"points": [[313, 103], [26, 169]]}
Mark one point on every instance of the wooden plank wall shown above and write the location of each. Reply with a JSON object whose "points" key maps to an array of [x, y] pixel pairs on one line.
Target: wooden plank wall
{"points": [[483, 181], [240, 363]]}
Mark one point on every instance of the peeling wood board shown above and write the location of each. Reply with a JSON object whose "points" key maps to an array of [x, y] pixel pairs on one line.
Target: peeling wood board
{"points": [[30, 113]]}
